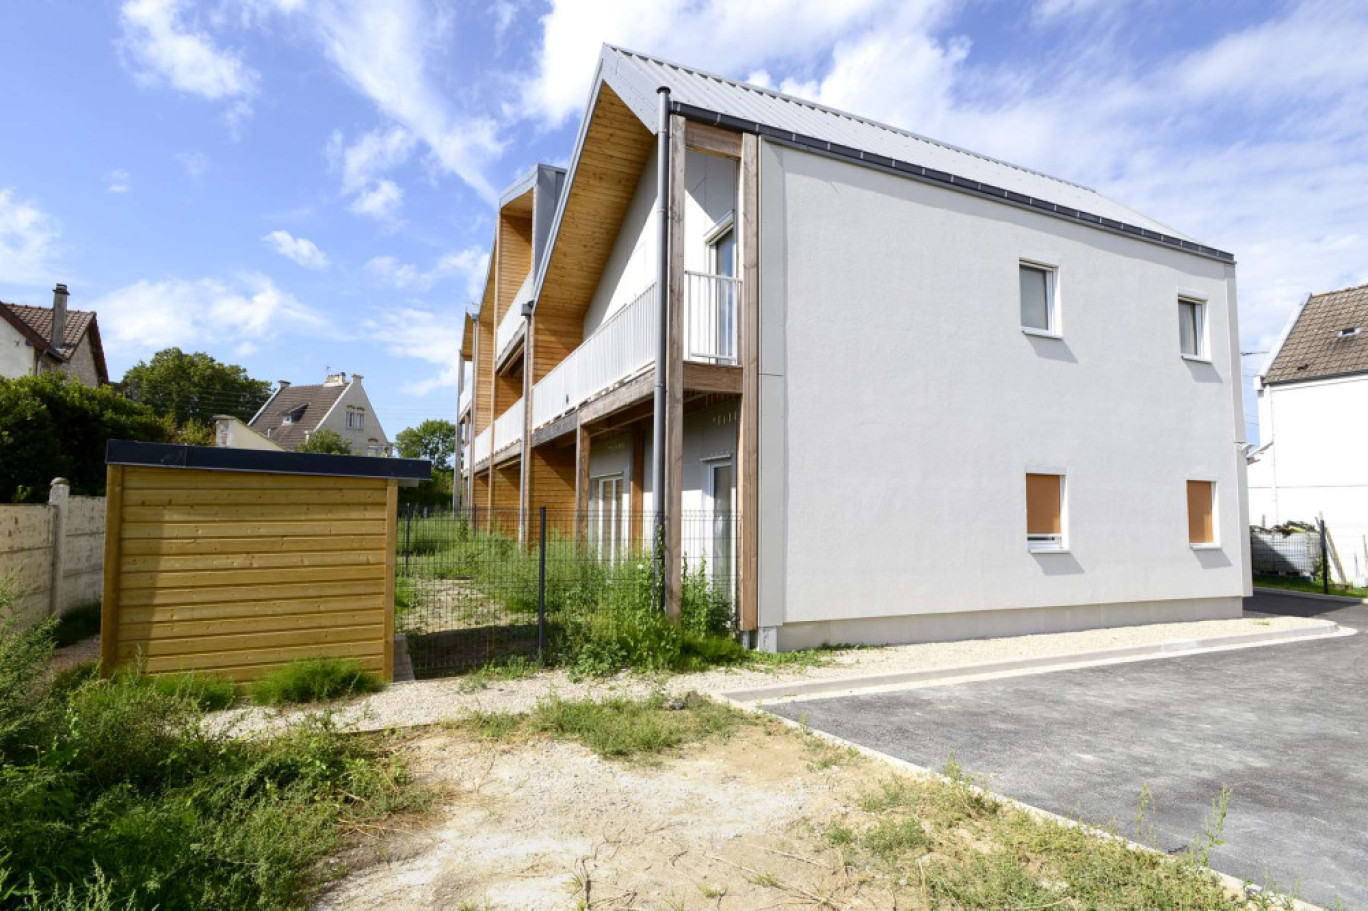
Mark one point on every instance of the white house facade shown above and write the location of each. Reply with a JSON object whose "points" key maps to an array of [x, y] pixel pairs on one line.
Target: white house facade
{"points": [[903, 394], [1312, 396]]}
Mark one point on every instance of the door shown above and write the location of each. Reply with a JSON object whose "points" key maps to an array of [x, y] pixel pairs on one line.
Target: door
{"points": [[721, 515], [605, 516]]}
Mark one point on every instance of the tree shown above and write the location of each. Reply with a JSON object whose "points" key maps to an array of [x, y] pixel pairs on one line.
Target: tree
{"points": [[434, 440], [327, 442], [52, 426], [194, 387]]}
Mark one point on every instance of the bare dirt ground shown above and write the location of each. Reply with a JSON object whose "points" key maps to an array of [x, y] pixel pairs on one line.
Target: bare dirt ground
{"points": [[541, 824]]}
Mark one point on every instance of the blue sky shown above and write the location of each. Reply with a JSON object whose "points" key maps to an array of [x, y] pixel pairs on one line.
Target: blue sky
{"points": [[297, 185]]}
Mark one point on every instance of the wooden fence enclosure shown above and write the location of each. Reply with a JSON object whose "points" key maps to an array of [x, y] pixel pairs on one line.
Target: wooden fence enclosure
{"points": [[235, 562]]}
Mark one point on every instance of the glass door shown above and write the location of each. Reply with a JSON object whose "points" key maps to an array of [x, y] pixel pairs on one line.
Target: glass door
{"points": [[721, 502], [605, 516]]}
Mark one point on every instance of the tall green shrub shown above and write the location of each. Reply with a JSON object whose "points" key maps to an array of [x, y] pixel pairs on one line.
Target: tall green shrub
{"points": [[51, 426]]}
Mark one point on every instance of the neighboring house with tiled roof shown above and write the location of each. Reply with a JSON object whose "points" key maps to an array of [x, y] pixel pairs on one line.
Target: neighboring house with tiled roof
{"points": [[294, 413], [1313, 425], [53, 339]]}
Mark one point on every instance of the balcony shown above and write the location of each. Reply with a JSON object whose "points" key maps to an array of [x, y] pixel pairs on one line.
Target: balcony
{"points": [[508, 427], [710, 307], [507, 331], [480, 448], [464, 405], [620, 348]]}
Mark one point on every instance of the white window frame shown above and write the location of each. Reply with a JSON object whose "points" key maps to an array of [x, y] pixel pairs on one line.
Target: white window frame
{"points": [[607, 546], [1055, 326], [710, 466], [1051, 544], [1203, 353]]}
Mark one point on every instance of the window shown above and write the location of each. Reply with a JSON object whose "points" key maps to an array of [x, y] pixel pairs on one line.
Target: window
{"points": [[1351, 332], [1201, 498], [1038, 299], [1191, 328], [1045, 511], [720, 502], [295, 416], [356, 419], [605, 516], [719, 313]]}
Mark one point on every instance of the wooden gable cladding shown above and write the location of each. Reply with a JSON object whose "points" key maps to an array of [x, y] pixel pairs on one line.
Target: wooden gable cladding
{"points": [[616, 147]]}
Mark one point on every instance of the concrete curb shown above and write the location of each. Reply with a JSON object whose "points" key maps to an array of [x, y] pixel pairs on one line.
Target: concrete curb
{"points": [[1315, 596], [1175, 648], [1233, 883]]}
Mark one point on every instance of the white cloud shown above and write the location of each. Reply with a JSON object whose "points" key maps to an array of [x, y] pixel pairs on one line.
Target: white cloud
{"points": [[391, 53], [470, 266], [119, 182], [299, 250], [424, 334], [28, 241], [196, 164], [146, 316], [380, 202], [162, 47], [370, 156]]}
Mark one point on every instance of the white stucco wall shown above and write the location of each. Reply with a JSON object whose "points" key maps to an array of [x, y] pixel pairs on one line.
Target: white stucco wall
{"points": [[631, 268], [902, 406], [354, 396], [16, 355], [1316, 464]]}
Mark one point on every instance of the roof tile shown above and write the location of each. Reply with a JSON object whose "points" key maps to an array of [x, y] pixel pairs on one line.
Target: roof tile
{"points": [[1315, 347]]}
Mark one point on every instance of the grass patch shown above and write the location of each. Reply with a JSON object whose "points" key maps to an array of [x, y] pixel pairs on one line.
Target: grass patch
{"points": [[514, 668], [1300, 584], [114, 794], [77, 624], [314, 680], [207, 692], [954, 845], [618, 728]]}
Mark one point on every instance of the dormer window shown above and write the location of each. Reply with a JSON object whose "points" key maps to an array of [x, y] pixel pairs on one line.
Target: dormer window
{"points": [[294, 417], [1350, 332]]}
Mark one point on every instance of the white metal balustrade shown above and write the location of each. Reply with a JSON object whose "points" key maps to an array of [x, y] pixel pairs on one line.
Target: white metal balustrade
{"points": [[623, 345], [508, 427], [507, 329], [465, 400], [710, 308], [480, 450]]}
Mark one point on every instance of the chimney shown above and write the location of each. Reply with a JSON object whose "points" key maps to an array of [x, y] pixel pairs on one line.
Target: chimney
{"points": [[282, 384], [59, 314], [336, 379], [356, 378]]}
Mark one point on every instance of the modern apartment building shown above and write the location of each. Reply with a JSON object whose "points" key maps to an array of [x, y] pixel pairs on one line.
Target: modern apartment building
{"points": [[906, 392]]}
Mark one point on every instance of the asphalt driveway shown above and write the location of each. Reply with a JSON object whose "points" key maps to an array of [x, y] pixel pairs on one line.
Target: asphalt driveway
{"points": [[1284, 727]]}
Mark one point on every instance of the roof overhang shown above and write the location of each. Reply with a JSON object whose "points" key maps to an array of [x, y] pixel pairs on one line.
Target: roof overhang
{"points": [[209, 458]]}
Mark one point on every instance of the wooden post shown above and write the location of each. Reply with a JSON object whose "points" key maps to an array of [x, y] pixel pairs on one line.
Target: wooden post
{"points": [[583, 450], [748, 437], [673, 493], [391, 535], [109, 601], [637, 497]]}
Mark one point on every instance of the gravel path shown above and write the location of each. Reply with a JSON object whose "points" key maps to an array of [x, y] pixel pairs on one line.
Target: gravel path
{"points": [[432, 701]]}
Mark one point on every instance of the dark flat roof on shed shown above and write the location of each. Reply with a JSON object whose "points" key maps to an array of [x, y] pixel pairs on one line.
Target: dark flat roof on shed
{"points": [[209, 458]]}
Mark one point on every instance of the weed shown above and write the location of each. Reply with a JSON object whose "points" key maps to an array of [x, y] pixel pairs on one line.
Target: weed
{"points": [[514, 668], [838, 836], [114, 794], [209, 693], [314, 680], [895, 839]]}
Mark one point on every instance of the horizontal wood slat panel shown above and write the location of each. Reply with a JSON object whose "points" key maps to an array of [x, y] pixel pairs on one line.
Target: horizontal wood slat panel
{"points": [[146, 597], [257, 545], [134, 530], [139, 478], [162, 613], [201, 497], [161, 646], [130, 581], [221, 661], [247, 673], [185, 629], [164, 563], [253, 512]]}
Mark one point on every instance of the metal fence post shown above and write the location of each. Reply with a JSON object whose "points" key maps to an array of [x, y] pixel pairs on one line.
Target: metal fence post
{"points": [[541, 584], [408, 536], [1325, 559]]}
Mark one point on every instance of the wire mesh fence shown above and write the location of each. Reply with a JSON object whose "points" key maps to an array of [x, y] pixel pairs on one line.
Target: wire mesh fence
{"points": [[1302, 555], [477, 587]]}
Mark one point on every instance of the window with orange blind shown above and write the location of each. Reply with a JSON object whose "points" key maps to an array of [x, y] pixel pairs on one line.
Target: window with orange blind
{"points": [[1201, 496], [1044, 511]]}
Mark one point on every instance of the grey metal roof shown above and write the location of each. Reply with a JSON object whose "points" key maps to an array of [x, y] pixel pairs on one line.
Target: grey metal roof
{"points": [[635, 78]]}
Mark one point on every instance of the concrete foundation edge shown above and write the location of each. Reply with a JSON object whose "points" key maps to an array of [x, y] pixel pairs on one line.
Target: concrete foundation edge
{"points": [[950, 627]]}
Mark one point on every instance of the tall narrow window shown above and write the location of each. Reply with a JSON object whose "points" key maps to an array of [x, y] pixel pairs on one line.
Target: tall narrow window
{"points": [[1038, 299], [1191, 316], [1044, 511], [605, 516], [1201, 497]]}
